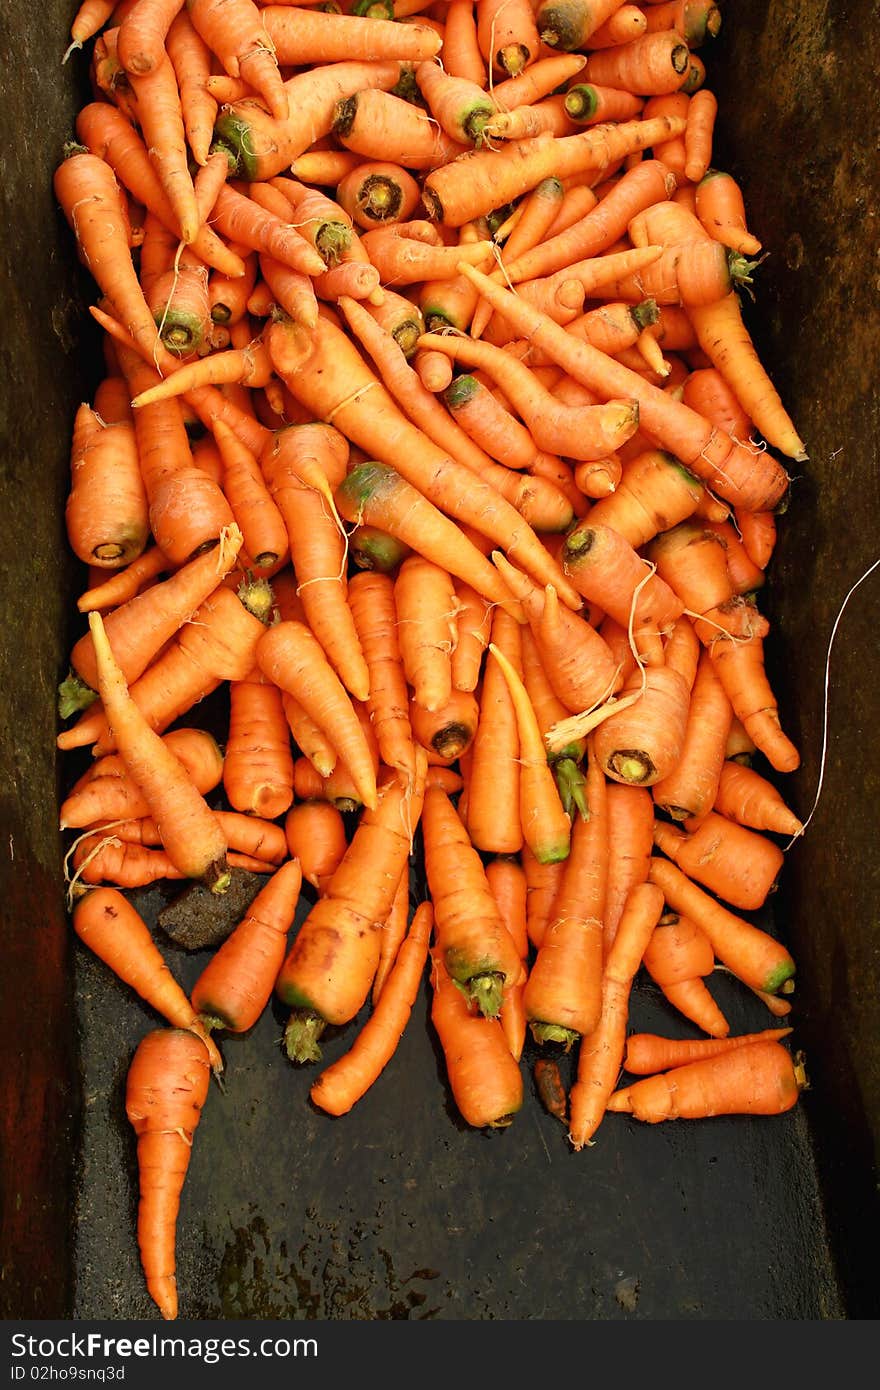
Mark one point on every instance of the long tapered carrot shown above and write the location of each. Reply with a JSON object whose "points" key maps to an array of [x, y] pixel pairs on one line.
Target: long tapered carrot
{"points": [[291, 656], [752, 954], [630, 814], [371, 599], [165, 1090], [341, 1085], [493, 818], [111, 926], [647, 1053], [191, 833], [236, 984], [600, 1055], [546, 826], [477, 182]]}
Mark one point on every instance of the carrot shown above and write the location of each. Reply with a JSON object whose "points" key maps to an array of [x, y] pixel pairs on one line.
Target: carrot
{"points": [[587, 103], [486, 421], [371, 597], [727, 342], [483, 1075], [743, 795], [107, 792], [332, 382], [569, 24], [739, 661], [650, 65], [317, 544], [235, 33], [589, 432], [410, 252], [550, 1087], [424, 601], [545, 825], [191, 60], [461, 49], [111, 927], [236, 985], [258, 841], [562, 996], [678, 954], [600, 1054], [461, 107], [747, 480], [760, 1078], [476, 182], [473, 942], [142, 33], [655, 492], [329, 969], [139, 628], [539, 79], [472, 626], [577, 660], [123, 584], [494, 821], [397, 316], [642, 743], [750, 953], [258, 771], [609, 572], [433, 369], [695, 20], [626, 22], [160, 117], [698, 135], [758, 533], [538, 211], [691, 787], [302, 38], [375, 493], [291, 657], [371, 548], [315, 833], [630, 815], [549, 116], [376, 124], [91, 15], [394, 931], [341, 1085], [647, 1053], [507, 35], [721, 209], [90, 199], [378, 192], [106, 514], [190, 832], [166, 1087], [648, 182]]}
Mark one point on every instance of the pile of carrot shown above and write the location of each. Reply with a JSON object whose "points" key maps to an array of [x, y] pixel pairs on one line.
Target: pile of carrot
{"points": [[432, 433]]}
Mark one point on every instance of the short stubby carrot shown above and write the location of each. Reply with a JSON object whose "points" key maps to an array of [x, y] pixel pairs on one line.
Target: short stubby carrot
{"points": [[329, 970], [315, 833], [483, 1075]]}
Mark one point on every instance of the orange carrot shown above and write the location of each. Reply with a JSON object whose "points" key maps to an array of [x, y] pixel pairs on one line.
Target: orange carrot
{"points": [[750, 953], [291, 657], [545, 825], [569, 24], [475, 183], [461, 49], [110, 926], [424, 601], [649, 65], [691, 787], [724, 338], [721, 209], [678, 954], [123, 584], [702, 112], [600, 1054], [494, 821], [460, 107], [341, 1085], [371, 597], [191, 60], [106, 514], [160, 117], [507, 35], [483, 1075], [190, 832], [472, 627], [759, 1078], [647, 1053], [236, 984], [302, 38], [166, 1087], [258, 770], [329, 970], [746, 797], [107, 792], [234, 31], [315, 833], [471, 938], [630, 814], [394, 931]]}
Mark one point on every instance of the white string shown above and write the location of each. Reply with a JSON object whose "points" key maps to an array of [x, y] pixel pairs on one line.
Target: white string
{"points": [[823, 754]]}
